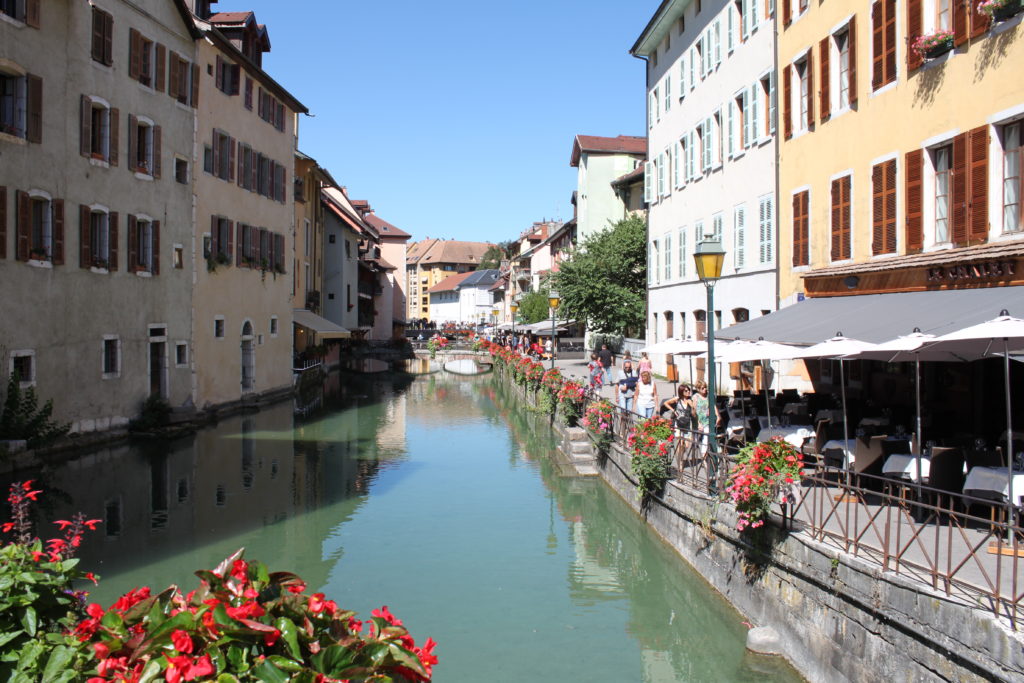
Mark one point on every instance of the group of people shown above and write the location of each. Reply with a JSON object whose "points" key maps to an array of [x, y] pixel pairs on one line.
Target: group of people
{"points": [[527, 344]]}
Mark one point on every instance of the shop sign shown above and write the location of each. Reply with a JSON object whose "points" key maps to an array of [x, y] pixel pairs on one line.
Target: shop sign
{"points": [[972, 272]]}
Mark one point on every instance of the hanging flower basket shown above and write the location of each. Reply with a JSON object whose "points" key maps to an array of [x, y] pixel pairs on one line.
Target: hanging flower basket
{"points": [[932, 45], [650, 445], [1000, 10], [598, 423]]}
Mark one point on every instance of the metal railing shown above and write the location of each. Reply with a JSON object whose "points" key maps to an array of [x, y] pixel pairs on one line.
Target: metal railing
{"points": [[927, 535]]}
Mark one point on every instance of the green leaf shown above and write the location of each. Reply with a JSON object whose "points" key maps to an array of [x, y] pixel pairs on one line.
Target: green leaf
{"points": [[406, 658], [29, 655], [158, 636], [152, 670], [113, 621], [237, 658], [284, 663], [8, 637], [29, 621], [332, 659], [267, 672], [227, 678], [57, 664], [290, 636]]}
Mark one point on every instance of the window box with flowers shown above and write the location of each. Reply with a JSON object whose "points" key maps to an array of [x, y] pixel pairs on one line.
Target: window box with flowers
{"points": [[932, 45], [1000, 10], [650, 444]]}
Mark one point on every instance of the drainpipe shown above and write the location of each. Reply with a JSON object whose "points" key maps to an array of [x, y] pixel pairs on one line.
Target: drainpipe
{"points": [[778, 145]]}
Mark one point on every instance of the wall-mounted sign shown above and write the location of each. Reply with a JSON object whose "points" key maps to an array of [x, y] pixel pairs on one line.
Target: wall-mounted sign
{"points": [[968, 272]]}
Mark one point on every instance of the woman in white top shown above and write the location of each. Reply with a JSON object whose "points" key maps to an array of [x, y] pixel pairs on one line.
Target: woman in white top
{"points": [[646, 394]]}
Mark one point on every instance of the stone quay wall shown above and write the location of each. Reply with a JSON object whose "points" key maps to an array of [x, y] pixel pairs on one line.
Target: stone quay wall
{"points": [[838, 618]]}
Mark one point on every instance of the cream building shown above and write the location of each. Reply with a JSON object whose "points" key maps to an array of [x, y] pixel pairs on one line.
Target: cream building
{"points": [[430, 261], [96, 132], [711, 168], [599, 161], [245, 214]]}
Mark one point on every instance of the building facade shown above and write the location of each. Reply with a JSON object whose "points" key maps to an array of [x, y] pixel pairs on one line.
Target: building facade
{"points": [[341, 260], [711, 167], [429, 262], [96, 134], [599, 161]]}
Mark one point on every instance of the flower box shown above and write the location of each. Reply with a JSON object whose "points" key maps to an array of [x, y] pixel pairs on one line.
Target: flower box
{"points": [[1001, 11], [937, 50], [933, 45]]}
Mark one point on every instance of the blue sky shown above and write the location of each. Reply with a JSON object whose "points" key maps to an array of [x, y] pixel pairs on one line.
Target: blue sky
{"points": [[455, 118]]}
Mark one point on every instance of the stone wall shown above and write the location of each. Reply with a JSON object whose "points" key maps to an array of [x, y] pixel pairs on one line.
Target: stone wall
{"points": [[839, 618]]}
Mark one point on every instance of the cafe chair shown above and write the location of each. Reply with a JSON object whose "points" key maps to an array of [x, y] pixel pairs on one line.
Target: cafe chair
{"points": [[867, 459], [946, 475]]}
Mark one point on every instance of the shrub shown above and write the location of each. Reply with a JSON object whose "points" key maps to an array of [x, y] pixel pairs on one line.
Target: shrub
{"points": [[155, 413], [570, 402], [22, 418], [758, 477]]}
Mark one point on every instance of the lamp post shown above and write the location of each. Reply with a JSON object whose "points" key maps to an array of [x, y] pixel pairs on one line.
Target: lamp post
{"points": [[494, 325], [709, 257], [514, 306], [553, 300]]}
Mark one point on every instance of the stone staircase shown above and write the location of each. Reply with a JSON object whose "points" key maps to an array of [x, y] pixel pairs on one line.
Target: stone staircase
{"points": [[580, 451]]}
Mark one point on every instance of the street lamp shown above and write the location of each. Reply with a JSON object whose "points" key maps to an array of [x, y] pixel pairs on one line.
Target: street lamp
{"points": [[709, 257], [514, 306], [553, 300]]}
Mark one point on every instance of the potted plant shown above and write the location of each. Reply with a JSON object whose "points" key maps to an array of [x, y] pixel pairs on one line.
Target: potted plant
{"points": [[932, 45], [570, 402], [37, 254], [1000, 10], [763, 473], [650, 444], [598, 423]]}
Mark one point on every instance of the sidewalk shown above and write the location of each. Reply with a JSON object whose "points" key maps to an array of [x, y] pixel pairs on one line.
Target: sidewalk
{"points": [[577, 367]]}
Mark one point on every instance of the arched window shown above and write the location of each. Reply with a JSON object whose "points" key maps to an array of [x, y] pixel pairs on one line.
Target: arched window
{"points": [[740, 315]]}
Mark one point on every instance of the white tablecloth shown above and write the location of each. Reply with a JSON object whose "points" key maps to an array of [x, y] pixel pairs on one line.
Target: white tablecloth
{"points": [[793, 435], [906, 466], [735, 426], [994, 479], [848, 449]]}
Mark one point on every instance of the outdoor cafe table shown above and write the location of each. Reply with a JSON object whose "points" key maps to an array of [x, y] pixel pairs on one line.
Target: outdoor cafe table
{"points": [[828, 414], [794, 435], [905, 467], [993, 480], [848, 449]]}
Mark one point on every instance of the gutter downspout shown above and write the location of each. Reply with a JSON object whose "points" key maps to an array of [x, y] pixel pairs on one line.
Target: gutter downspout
{"points": [[647, 214], [778, 161]]}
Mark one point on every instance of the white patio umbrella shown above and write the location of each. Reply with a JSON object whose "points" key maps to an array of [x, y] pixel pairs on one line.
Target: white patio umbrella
{"points": [[743, 351], [989, 339], [676, 346], [838, 347]]}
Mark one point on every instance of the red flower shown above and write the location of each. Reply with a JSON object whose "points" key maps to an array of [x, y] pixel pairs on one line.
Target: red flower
{"points": [[102, 651], [95, 611], [385, 614], [297, 587], [239, 570], [182, 641], [246, 611], [63, 524], [271, 637]]}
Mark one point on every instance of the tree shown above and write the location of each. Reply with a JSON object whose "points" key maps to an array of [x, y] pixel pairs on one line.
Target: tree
{"points": [[534, 307], [496, 253], [604, 280], [22, 418]]}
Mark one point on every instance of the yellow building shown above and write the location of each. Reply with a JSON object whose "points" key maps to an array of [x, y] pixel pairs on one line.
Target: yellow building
{"points": [[432, 260], [899, 168]]}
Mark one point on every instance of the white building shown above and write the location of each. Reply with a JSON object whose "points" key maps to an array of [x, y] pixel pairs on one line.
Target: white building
{"points": [[711, 168], [476, 298]]}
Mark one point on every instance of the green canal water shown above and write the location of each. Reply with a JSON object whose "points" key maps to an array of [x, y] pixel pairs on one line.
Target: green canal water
{"points": [[438, 497]]}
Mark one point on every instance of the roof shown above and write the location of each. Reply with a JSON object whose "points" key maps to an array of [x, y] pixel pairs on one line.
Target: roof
{"points": [[877, 318], [255, 70], [230, 17], [592, 144], [386, 229], [324, 328], [634, 176], [450, 283], [481, 278], [431, 251], [666, 14], [935, 258]]}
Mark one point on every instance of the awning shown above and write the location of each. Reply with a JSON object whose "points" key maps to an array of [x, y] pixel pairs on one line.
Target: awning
{"points": [[880, 317], [323, 327]]}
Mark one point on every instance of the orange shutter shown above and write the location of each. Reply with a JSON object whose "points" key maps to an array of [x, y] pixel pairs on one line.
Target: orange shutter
{"points": [[115, 135], [979, 20], [960, 27], [877, 209], [133, 244], [787, 101], [915, 200], [825, 103], [800, 246], [23, 208], [156, 247], [977, 208], [890, 41], [113, 232], [958, 209], [810, 88], [32, 13], [890, 207], [852, 43], [84, 235], [134, 54], [837, 221], [877, 45], [3, 222], [915, 26], [161, 67], [57, 254], [846, 211], [85, 126], [787, 12], [34, 126]]}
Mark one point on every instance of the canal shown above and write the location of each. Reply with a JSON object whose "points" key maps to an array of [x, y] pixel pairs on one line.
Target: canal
{"points": [[438, 496]]}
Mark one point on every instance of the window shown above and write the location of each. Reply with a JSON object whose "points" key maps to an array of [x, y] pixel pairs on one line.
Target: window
{"points": [[111, 357], [667, 100], [801, 235], [803, 75], [271, 110], [883, 213], [248, 93], [226, 77], [102, 37], [716, 226], [738, 236], [218, 327], [21, 106], [667, 261], [179, 257], [23, 364], [754, 117], [767, 99], [655, 263], [146, 60], [766, 228], [183, 83], [841, 216], [883, 31], [682, 252], [98, 238], [943, 160], [660, 169], [657, 104], [648, 184], [1013, 189], [842, 40], [99, 128], [40, 227], [221, 156], [143, 245], [144, 146], [181, 170], [942, 16], [249, 256], [222, 239], [181, 355], [273, 326]]}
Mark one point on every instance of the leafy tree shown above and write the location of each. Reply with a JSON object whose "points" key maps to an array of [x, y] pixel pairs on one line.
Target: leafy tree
{"points": [[21, 417], [604, 280], [496, 253], [534, 307]]}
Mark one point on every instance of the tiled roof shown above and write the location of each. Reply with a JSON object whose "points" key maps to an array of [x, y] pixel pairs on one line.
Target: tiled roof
{"points": [[230, 17], [431, 251], [935, 258], [623, 144], [633, 176], [450, 283], [481, 278], [386, 229]]}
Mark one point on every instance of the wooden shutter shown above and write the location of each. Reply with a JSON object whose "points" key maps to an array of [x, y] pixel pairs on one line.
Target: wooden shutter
{"points": [[218, 74], [235, 78], [133, 137], [155, 227], [161, 67], [878, 44], [216, 152], [961, 30], [115, 136], [810, 88], [890, 206], [787, 12], [253, 170], [57, 253], [837, 220], [98, 26], [108, 39], [157, 151], [825, 103], [915, 26], [914, 170], [85, 126], [214, 237], [84, 242], [278, 251], [3, 222], [32, 13], [800, 241], [958, 200], [173, 79], [890, 41], [877, 210], [23, 210], [239, 243], [194, 100], [34, 127], [979, 20], [977, 181], [113, 232], [231, 160], [787, 101], [231, 241], [134, 54], [851, 42], [240, 174], [133, 244]]}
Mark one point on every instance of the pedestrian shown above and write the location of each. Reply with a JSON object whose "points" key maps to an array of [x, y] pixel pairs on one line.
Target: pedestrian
{"points": [[645, 362], [625, 388], [607, 359], [683, 411], [646, 395], [547, 349], [596, 374]]}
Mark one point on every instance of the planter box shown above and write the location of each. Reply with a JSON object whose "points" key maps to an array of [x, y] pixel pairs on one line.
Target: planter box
{"points": [[1008, 10], [938, 50]]}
